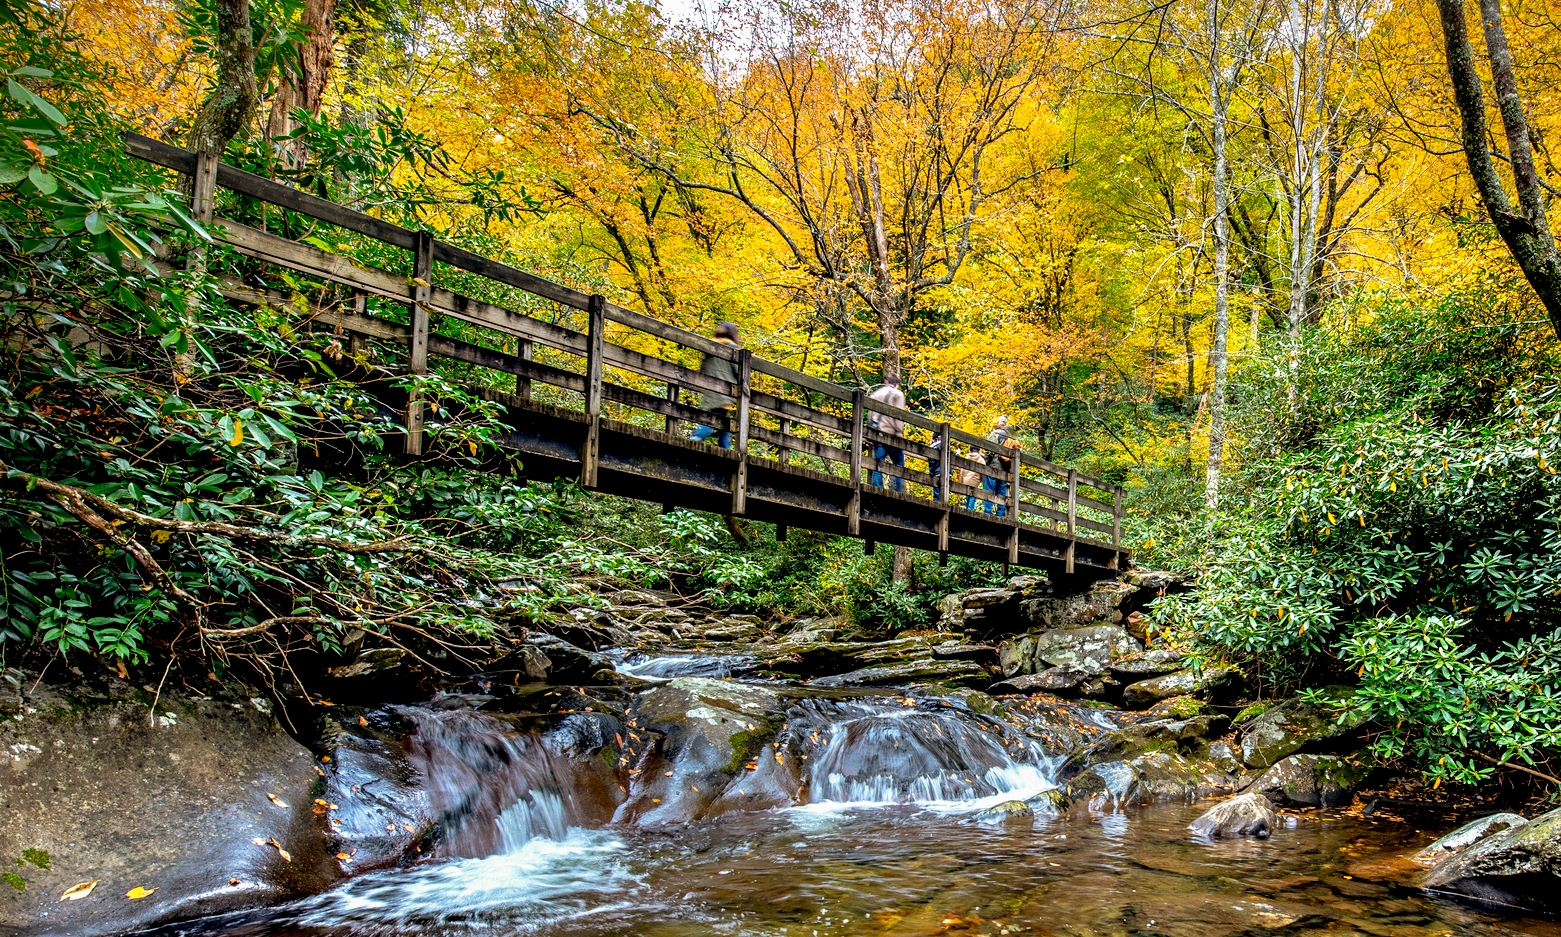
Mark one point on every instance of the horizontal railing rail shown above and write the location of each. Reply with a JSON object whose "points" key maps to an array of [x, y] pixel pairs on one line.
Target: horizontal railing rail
{"points": [[838, 434]]}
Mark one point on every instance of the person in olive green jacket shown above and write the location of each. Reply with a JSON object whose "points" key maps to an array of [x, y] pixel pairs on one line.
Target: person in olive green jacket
{"points": [[723, 369]]}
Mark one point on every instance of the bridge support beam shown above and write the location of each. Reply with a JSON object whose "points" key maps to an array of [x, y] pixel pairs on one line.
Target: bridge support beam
{"points": [[417, 343], [590, 451]]}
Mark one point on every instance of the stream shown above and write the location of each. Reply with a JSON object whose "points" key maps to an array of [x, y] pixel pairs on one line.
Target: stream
{"points": [[888, 837]]}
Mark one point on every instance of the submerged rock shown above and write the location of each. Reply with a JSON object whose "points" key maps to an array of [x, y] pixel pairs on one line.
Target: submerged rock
{"points": [[1294, 726], [1006, 812], [1469, 834], [1243, 815], [1520, 867], [1311, 780]]}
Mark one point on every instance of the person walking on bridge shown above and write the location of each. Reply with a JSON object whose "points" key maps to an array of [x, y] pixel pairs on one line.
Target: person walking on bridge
{"points": [[724, 369], [890, 394], [1001, 435]]}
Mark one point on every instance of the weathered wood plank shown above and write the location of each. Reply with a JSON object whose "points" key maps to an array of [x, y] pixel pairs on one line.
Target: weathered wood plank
{"points": [[590, 452]]}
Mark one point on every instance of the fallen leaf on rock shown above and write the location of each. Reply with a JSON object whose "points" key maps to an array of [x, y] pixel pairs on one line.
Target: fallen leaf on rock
{"points": [[325, 803], [669, 774], [78, 892], [286, 856], [362, 721], [232, 881], [346, 856], [138, 892], [276, 800], [258, 841], [408, 827]]}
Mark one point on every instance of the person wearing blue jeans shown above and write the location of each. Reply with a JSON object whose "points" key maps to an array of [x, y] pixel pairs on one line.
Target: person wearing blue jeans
{"points": [[723, 369], [891, 395], [999, 488], [1000, 434], [894, 455]]}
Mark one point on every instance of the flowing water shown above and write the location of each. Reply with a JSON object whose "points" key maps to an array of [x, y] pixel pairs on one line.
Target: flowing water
{"points": [[890, 841]]}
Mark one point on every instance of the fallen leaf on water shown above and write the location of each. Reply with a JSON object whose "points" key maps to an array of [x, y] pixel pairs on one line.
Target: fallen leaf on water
{"points": [[78, 892], [137, 893], [276, 800], [286, 856]]}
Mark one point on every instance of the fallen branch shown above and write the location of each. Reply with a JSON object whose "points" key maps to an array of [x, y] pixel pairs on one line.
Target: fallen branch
{"points": [[1526, 770]]}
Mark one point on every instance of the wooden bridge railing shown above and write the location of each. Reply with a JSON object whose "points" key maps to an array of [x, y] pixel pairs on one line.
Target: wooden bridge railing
{"points": [[795, 418]]}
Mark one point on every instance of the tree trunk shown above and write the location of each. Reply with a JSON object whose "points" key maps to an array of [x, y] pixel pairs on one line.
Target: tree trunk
{"points": [[1526, 232], [1218, 102], [305, 90], [227, 110]]}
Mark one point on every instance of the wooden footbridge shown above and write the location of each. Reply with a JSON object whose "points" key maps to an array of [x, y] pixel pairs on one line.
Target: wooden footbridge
{"points": [[604, 401]]}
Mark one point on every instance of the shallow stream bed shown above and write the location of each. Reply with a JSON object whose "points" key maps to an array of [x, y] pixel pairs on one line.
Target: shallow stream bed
{"points": [[847, 869]]}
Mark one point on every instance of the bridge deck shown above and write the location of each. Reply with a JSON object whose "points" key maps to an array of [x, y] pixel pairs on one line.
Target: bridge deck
{"points": [[605, 403]]}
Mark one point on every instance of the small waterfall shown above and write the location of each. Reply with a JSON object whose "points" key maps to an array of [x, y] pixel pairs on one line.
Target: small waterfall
{"points": [[495, 789], [889, 753], [684, 665]]}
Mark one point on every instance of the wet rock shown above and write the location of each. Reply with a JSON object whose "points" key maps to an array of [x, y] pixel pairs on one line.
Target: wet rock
{"points": [[379, 808], [1520, 866], [1167, 776], [983, 654], [1146, 693], [1182, 736], [813, 631], [1223, 757], [566, 662], [709, 731], [379, 660], [1016, 656], [1146, 664], [1244, 815], [1048, 803], [1469, 834], [170, 799], [929, 670], [1065, 681], [1009, 811], [526, 661], [843, 656], [1110, 784], [1311, 781], [1091, 647], [1296, 726]]}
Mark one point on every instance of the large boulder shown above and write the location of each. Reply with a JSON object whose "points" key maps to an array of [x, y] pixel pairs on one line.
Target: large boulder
{"points": [[1151, 777], [1051, 612], [1520, 866], [1243, 815], [838, 657], [710, 732], [1182, 736], [1092, 647], [1295, 726], [207, 801], [1467, 835], [1311, 781], [1146, 693]]}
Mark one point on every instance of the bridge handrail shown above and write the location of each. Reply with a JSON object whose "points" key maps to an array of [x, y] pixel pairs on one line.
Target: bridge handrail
{"points": [[598, 352]]}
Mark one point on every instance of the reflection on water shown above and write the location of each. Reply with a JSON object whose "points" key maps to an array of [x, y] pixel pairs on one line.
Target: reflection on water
{"points": [[836, 869]]}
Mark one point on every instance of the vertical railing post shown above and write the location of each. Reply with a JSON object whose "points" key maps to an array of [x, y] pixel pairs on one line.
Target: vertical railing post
{"points": [[673, 392], [785, 454], [203, 188], [1116, 526], [417, 343], [1013, 506], [596, 324], [1073, 515], [523, 384], [854, 510], [740, 434], [945, 475], [360, 307]]}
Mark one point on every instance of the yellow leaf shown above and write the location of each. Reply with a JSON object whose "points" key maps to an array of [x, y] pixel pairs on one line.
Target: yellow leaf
{"points": [[472, 446], [238, 432], [161, 536], [138, 892], [78, 892], [276, 800]]}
